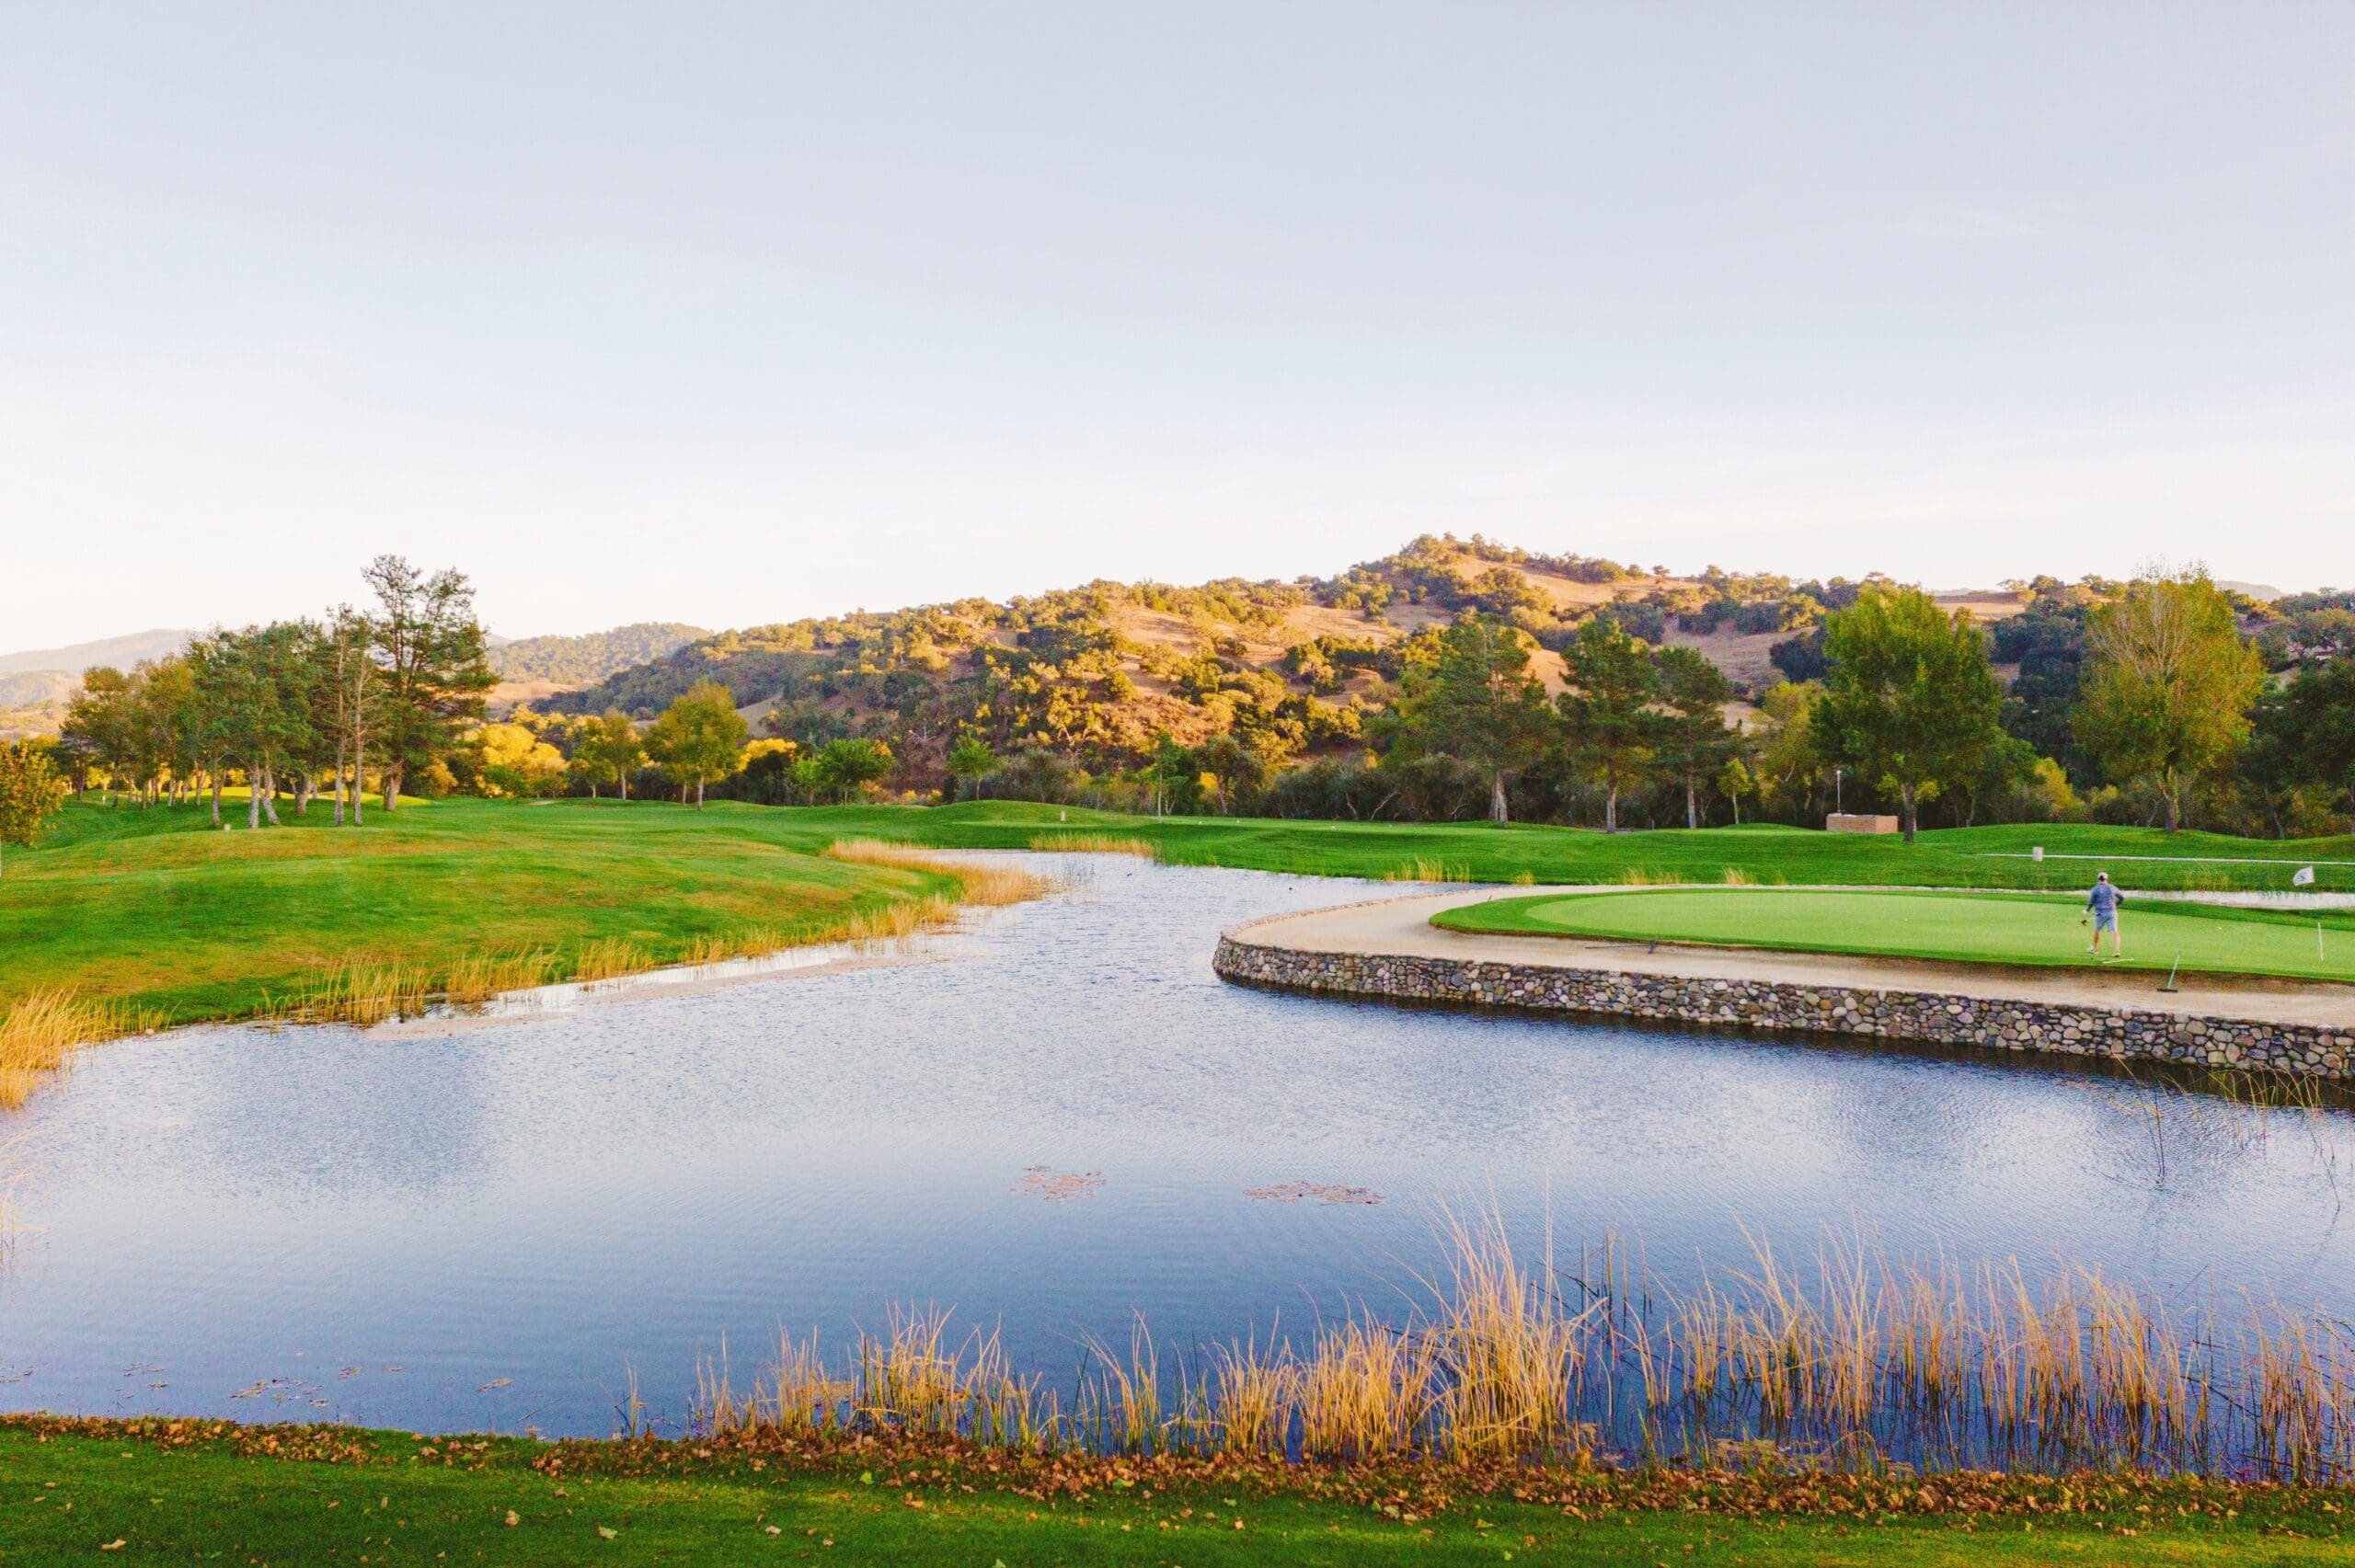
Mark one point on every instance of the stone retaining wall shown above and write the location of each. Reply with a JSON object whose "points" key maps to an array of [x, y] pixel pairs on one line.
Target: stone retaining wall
{"points": [[1947, 1020]]}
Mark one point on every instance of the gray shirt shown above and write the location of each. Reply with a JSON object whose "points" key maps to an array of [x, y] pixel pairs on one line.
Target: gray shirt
{"points": [[2103, 899]]}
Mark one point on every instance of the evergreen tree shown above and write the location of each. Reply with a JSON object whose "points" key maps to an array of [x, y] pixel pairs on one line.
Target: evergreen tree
{"points": [[2305, 733], [1696, 740], [1476, 700], [431, 671], [1611, 681]]}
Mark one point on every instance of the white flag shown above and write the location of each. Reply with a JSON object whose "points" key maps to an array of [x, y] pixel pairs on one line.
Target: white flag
{"points": [[2305, 878]]}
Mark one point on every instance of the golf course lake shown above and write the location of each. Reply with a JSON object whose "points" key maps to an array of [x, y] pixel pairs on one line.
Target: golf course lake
{"points": [[1052, 1121]]}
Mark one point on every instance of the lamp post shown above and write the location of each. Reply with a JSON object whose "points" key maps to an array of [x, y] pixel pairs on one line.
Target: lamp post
{"points": [[1836, 806]]}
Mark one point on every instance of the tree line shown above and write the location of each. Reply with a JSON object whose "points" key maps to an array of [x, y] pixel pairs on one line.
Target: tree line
{"points": [[2165, 701], [302, 707], [389, 698], [2151, 687]]}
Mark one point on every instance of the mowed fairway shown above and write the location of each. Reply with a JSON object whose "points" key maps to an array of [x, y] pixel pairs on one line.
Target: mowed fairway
{"points": [[1982, 928]]}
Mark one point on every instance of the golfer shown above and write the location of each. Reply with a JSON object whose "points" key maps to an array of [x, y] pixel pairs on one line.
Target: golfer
{"points": [[2101, 913]]}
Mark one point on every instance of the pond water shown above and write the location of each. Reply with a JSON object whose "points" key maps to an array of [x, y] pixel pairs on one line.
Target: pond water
{"points": [[485, 1229]]}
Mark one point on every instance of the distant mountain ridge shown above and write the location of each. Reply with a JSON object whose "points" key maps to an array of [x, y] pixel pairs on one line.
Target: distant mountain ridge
{"points": [[75, 658], [37, 685]]}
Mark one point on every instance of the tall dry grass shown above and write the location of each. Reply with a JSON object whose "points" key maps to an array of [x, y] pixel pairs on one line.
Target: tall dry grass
{"points": [[978, 882], [1851, 1359], [610, 955], [1093, 843], [40, 1031], [1421, 870]]}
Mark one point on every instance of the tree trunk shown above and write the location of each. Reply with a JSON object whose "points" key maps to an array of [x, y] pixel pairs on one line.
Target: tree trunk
{"points": [[1691, 802], [698, 792], [1905, 803], [624, 787], [269, 798], [339, 760], [302, 793], [1611, 807], [253, 796], [2173, 790], [1497, 799], [393, 787], [359, 758], [216, 796]]}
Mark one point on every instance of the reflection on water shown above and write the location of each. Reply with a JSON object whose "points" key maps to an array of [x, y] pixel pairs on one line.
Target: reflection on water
{"points": [[1060, 1119]]}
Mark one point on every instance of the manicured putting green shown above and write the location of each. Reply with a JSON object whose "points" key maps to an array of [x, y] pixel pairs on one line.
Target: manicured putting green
{"points": [[1986, 928]]}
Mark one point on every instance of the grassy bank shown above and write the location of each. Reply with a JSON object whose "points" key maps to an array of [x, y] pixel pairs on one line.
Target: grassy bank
{"points": [[124, 920], [1963, 857], [159, 911], [152, 1491], [1982, 928]]}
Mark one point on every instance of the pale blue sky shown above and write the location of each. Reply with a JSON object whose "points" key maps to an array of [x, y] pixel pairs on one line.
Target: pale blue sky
{"points": [[734, 313]]}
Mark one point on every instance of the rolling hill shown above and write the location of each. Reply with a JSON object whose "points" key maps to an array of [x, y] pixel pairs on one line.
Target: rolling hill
{"points": [[1289, 667]]}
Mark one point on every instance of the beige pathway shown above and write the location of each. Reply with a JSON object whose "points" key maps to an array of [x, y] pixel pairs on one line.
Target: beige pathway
{"points": [[1401, 928]]}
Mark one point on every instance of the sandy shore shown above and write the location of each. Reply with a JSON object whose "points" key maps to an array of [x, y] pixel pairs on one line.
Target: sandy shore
{"points": [[1401, 927]]}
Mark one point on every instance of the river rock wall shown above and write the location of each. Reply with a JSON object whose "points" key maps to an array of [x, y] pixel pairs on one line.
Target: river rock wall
{"points": [[1931, 1017]]}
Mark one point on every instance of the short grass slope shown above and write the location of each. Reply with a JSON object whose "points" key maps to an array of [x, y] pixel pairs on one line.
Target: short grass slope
{"points": [[160, 913], [1977, 928]]}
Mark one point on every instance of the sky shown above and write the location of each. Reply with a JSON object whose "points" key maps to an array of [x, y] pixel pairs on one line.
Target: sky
{"points": [[735, 314]]}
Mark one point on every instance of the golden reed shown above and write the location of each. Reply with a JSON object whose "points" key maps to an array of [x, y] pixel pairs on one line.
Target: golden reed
{"points": [[1855, 1361]]}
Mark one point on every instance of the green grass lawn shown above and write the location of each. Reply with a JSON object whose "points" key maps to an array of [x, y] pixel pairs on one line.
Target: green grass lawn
{"points": [[1983, 928], [121, 1499], [1959, 857], [162, 911], [158, 909]]}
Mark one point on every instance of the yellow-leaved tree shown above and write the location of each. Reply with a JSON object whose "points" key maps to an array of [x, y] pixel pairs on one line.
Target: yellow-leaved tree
{"points": [[2168, 684]]}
